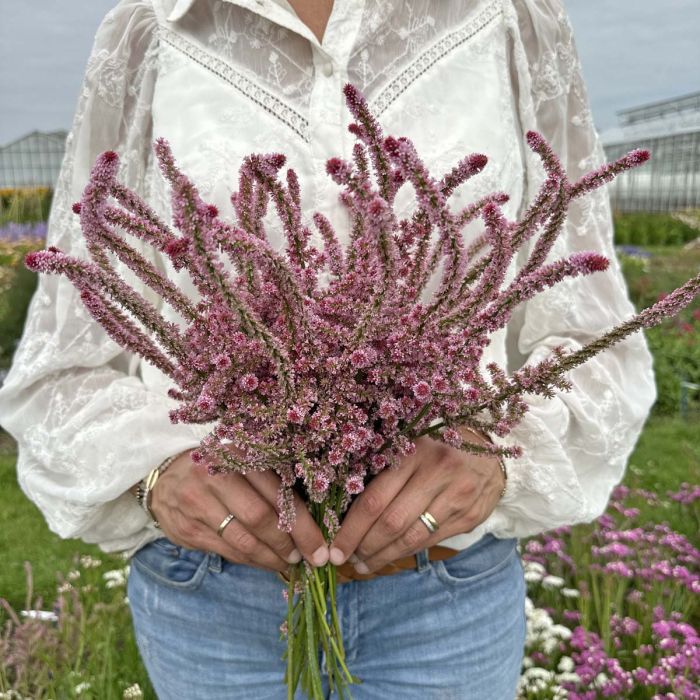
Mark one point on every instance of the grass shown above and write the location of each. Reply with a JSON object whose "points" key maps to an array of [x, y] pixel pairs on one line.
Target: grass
{"points": [[668, 454], [89, 652], [99, 622], [24, 536]]}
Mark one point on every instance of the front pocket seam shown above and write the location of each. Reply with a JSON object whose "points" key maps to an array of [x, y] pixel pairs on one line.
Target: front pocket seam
{"points": [[444, 575], [167, 546], [190, 584]]}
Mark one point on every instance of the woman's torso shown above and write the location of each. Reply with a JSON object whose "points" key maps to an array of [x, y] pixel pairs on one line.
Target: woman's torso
{"points": [[250, 76]]}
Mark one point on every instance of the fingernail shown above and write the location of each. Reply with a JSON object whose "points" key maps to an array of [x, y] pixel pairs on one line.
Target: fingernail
{"points": [[294, 556], [353, 559], [320, 556], [337, 557], [361, 568]]}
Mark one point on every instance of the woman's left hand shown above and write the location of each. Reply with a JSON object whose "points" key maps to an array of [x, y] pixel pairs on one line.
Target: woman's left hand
{"points": [[459, 489]]}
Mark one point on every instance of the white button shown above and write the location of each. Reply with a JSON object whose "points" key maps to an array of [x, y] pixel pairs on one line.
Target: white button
{"points": [[327, 69]]}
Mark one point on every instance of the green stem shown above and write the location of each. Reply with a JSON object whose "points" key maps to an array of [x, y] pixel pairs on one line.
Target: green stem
{"points": [[290, 630], [334, 612], [312, 652], [331, 637]]}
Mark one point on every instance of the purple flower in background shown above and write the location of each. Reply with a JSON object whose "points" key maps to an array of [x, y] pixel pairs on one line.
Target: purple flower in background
{"points": [[633, 251], [14, 232]]}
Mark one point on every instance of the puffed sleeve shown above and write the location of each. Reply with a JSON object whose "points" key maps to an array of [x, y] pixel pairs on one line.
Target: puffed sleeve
{"points": [[86, 425], [577, 444]]}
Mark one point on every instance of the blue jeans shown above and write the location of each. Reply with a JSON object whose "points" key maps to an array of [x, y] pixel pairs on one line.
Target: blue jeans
{"points": [[208, 629]]}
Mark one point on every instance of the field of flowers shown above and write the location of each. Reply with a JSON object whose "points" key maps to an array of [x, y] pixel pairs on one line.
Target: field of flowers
{"points": [[612, 605], [650, 273], [25, 204], [17, 283]]}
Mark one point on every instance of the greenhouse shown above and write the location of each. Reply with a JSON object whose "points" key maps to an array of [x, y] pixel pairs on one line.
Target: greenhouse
{"points": [[670, 181], [33, 160]]}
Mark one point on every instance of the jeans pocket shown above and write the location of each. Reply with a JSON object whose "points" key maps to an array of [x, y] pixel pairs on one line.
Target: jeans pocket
{"points": [[479, 561], [171, 564]]}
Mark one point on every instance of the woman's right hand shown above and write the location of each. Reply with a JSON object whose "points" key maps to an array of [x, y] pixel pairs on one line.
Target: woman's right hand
{"points": [[190, 504]]}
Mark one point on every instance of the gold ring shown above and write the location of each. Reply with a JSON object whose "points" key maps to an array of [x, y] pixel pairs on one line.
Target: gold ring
{"points": [[429, 521], [224, 523]]}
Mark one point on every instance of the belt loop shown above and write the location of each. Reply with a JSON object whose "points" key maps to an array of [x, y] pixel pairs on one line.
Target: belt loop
{"points": [[215, 563], [422, 560]]}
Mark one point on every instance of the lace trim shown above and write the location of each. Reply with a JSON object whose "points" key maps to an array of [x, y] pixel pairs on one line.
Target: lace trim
{"points": [[433, 54], [253, 91]]}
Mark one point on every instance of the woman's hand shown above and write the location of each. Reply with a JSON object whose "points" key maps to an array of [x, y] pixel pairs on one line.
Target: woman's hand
{"points": [[189, 505], [459, 489]]}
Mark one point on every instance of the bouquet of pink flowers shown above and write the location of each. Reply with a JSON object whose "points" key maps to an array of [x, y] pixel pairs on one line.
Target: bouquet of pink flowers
{"points": [[328, 384]]}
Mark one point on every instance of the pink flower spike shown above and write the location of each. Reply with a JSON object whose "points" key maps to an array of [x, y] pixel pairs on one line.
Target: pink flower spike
{"points": [[205, 403], [296, 415], [607, 172], [222, 361], [338, 169], [354, 485], [465, 169], [452, 437], [42, 260], [476, 163], [421, 391], [589, 262], [637, 157], [249, 382], [549, 158], [276, 160]]}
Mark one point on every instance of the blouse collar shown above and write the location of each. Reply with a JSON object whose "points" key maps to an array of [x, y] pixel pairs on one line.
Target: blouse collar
{"points": [[339, 35], [262, 7]]}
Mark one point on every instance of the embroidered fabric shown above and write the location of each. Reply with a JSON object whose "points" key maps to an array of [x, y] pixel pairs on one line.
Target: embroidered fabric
{"points": [[232, 76]]}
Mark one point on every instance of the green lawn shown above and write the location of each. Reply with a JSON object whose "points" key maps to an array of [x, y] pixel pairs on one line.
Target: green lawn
{"points": [[24, 536], [668, 453]]}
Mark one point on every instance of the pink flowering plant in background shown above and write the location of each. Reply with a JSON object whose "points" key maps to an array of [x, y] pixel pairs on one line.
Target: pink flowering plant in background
{"points": [[325, 364], [612, 605]]}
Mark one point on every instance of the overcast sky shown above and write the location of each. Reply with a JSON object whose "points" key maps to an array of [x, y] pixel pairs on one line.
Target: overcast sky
{"points": [[633, 52]]}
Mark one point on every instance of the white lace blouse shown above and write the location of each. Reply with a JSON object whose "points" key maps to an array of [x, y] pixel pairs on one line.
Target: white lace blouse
{"points": [[223, 78]]}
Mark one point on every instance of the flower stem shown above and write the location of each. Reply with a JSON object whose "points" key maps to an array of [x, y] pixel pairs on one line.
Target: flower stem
{"points": [[313, 674]]}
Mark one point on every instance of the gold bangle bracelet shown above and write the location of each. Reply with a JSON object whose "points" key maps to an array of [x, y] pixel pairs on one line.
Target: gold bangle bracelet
{"points": [[150, 481], [505, 474]]}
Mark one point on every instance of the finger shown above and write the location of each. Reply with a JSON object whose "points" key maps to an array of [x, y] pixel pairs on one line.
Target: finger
{"points": [[306, 534], [416, 537], [397, 523], [255, 517], [250, 549], [239, 544], [366, 509]]}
